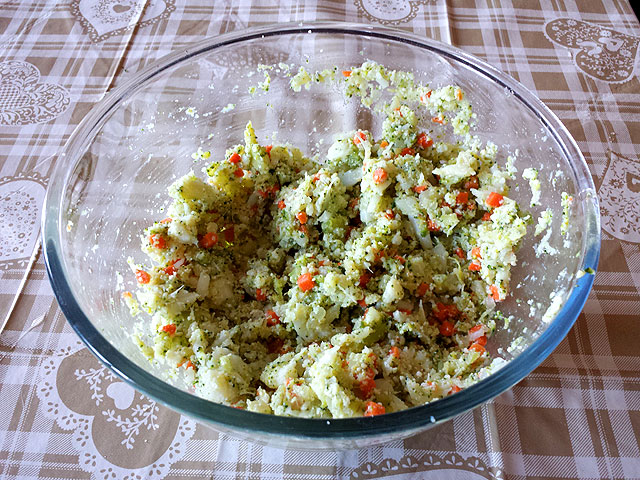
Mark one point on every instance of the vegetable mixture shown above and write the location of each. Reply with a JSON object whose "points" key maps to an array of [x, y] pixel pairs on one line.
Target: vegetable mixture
{"points": [[357, 284]]}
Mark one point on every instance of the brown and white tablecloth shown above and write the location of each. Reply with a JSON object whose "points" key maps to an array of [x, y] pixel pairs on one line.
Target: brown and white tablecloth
{"points": [[64, 416]]}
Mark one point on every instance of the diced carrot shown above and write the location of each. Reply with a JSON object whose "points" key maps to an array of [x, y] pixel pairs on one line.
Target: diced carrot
{"points": [[127, 295], [471, 183], [407, 151], [422, 97], [181, 362], [459, 94], [365, 387], [495, 293], [268, 191], [302, 217], [142, 276], [400, 258], [477, 347], [306, 282], [454, 389], [362, 302], [170, 269], [475, 252], [190, 365], [462, 197], [433, 226], [268, 149], [460, 253], [272, 318], [174, 265], [395, 352], [443, 312], [374, 408], [423, 141], [235, 158], [156, 240], [238, 172], [389, 214], [477, 335], [495, 199], [379, 175], [166, 220], [447, 328], [366, 383], [170, 329], [281, 205], [344, 363], [346, 73], [230, 234], [486, 217], [439, 120], [208, 240], [359, 137], [364, 279], [384, 144], [475, 266], [422, 289], [419, 188], [260, 295], [476, 328]]}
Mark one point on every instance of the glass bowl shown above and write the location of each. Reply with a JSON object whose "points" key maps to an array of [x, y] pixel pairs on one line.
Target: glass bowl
{"points": [[111, 179]]}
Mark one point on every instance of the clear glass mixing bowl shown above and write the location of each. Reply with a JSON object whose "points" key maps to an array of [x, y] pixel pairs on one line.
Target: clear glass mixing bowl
{"points": [[111, 180]]}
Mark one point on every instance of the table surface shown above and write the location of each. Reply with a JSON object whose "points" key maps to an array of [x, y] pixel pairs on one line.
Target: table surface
{"points": [[66, 416]]}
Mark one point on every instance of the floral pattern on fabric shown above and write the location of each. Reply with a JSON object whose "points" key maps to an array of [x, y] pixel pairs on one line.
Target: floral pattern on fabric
{"points": [[102, 19], [619, 196], [110, 419], [26, 101], [390, 12], [602, 53]]}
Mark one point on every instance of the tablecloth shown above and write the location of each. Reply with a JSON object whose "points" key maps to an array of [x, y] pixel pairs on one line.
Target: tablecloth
{"points": [[64, 415]]}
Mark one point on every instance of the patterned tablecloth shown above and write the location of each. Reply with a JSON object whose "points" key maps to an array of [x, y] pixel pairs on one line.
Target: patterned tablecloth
{"points": [[63, 415]]}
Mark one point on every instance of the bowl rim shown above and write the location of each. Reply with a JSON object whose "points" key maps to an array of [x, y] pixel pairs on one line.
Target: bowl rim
{"points": [[234, 420]]}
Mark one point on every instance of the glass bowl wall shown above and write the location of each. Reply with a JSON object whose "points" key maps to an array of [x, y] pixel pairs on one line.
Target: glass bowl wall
{"points": [[112, 177]]}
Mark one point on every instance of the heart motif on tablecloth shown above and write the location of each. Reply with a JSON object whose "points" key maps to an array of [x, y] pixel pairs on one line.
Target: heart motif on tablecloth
{"points": [[121, 394], [21, 199], [619, 195], [602, 53], [106, 18], [121, 8], [25, 101], [116, 431], [389, 12]]}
